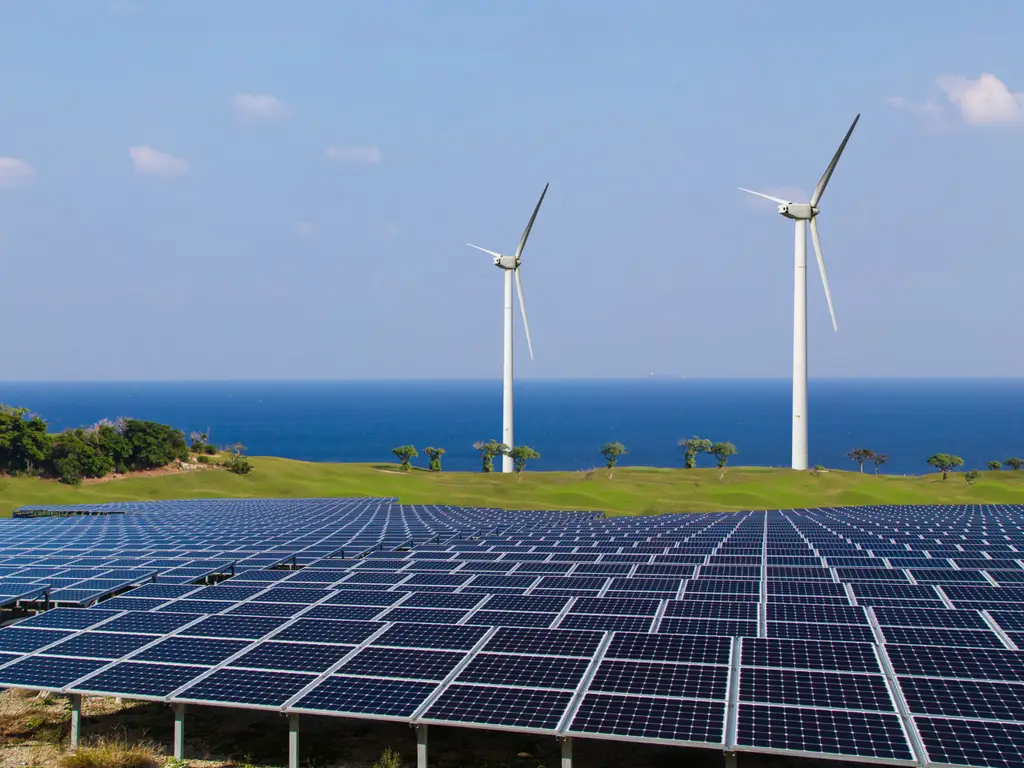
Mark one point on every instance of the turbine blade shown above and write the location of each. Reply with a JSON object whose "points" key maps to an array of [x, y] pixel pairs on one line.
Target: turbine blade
{"points": [[522, 307], [778, 200], [529, 226], [821, 269], [823, 182], [495, 254]]}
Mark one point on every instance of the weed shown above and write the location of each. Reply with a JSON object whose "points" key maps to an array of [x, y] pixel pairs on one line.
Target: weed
{"points": [[112, 753], [388, 759]]}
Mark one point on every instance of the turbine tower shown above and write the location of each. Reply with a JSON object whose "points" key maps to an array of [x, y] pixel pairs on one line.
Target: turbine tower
{"points": [[801, 213], [510, 265]]}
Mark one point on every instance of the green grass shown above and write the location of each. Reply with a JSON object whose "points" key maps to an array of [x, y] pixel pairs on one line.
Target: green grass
{"points": [[628, 491]]}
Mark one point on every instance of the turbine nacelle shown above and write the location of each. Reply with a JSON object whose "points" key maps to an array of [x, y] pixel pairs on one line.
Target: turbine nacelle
{"points": [[506, 262], [798, 211]]}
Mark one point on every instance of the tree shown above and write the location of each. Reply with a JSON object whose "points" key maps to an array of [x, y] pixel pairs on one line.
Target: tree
{"points": [[521, 454], [405, 454], [24, 444], [434, 454], [238, 462], [76, 453], [878, 460], [611, 453], [860, 455], [945, 463], [488, 450], [691, 447], [994, 466], [154, 445], [1014, 463], [722, 452], [971, 475]]}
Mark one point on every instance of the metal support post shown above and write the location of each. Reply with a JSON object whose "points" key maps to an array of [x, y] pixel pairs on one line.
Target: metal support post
{"points": [[730, 759], [566, 752], [76, 720], [179, 731], [421, 746], [293, 741]]}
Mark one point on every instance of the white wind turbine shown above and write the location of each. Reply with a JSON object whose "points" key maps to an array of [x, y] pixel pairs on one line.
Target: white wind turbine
{"points": [[510, 264], [802, 213]]}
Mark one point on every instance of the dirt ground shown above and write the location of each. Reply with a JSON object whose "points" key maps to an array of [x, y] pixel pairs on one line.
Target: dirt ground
{"points": [[34, 733]]}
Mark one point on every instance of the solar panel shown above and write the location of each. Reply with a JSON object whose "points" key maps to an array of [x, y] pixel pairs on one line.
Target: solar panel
{"points": [[404, 663], [136, 679], [964, 698], [340, 694], [809, 654], [972, 742], [191, 650], [526, 671], [827, 690], [701, 681], [643, 717], [245, 686], [682, 648], [521, 708], [832, 732], [47, 672], [552, 642], [327, 631], [298, 657]]}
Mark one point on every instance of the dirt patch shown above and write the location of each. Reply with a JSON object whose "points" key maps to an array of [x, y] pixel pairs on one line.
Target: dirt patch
{"points": [[175, 468]]}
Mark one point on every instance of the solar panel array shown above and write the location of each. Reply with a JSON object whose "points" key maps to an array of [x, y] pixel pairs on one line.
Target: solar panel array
{"points": [[881, 634]]}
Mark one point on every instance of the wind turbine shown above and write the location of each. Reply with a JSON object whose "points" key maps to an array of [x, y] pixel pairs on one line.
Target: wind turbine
{"points": [[802, 213], [510, 265]]}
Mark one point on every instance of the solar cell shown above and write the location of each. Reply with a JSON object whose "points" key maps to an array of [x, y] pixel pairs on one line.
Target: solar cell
{"points": [[835, 732], [700, 681], [365, 696], [677, 720], [520, 708], [130, 678], [244, 686], [414, 664]]}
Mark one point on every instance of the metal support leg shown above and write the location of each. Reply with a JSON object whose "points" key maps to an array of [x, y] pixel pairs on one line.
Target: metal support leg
{"points": [[179, 731], [293, 741], [730, 760], [421, 746], [566, 752], [76, 720]]}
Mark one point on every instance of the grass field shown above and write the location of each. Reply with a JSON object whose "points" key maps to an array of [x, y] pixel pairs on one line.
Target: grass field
{"points": [[627, 491]]}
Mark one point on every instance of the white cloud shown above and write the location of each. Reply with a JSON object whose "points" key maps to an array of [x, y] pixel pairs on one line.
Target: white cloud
{"points": [[14, 172], [153, 162], [349, 155], [985, 100], [305, 229], [260, 106]]}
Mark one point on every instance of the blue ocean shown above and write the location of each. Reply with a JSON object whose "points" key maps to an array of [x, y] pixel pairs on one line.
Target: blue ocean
{"points": [[566, 421]]}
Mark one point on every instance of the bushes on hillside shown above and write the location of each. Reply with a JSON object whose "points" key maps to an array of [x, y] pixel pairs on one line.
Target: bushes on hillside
{"points": [[121, 445]]}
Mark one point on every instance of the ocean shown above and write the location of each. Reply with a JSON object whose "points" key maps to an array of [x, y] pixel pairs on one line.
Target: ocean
{"points": [[567, 422]]}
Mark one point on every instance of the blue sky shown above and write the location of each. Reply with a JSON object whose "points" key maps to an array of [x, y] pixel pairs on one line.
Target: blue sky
{"points": [[255, 189]]}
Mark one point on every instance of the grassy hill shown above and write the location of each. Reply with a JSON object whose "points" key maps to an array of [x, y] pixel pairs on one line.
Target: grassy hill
{"points": [[628, 491]]}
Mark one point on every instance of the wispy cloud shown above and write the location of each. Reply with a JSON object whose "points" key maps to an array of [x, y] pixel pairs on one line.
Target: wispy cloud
{"points": [[153, 162], [985, 100], [14, 172], [260, 106], [305, 229], [354, 155]]}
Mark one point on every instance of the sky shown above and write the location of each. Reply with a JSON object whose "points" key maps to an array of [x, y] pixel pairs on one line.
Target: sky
{"points": [[255, 189]]}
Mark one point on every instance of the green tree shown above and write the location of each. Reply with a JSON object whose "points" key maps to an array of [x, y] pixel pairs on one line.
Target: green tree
{"points": [[860, 455], [945, 463], [434, 454], [154, 445], [24, 444], [521, 454], [488, 450], [878, 459], [611, 453], [1014, 463], [722, 452], [691, 447], [405, 454], [76, 453], [995, 466], [971, 475]]}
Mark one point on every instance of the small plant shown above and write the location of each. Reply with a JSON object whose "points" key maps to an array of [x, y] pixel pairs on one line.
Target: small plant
{"points": [[521, 454], [994, 466], [111, 753], [238, 462], [819, 468], [388, 759], [611, 453], [405, 454], [434, 454], [945, 463], [691, 447], [488, 450], [722, 452], [176, 762], [971, 475]]}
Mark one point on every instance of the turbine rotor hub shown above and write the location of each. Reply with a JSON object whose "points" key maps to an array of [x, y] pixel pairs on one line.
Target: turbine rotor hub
{"points": [[798, 211], [506, 262]]}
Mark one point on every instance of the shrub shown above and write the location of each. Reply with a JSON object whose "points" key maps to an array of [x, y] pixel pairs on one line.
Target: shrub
{"points": [[238, 463], [388, 759], [204, 459]]}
